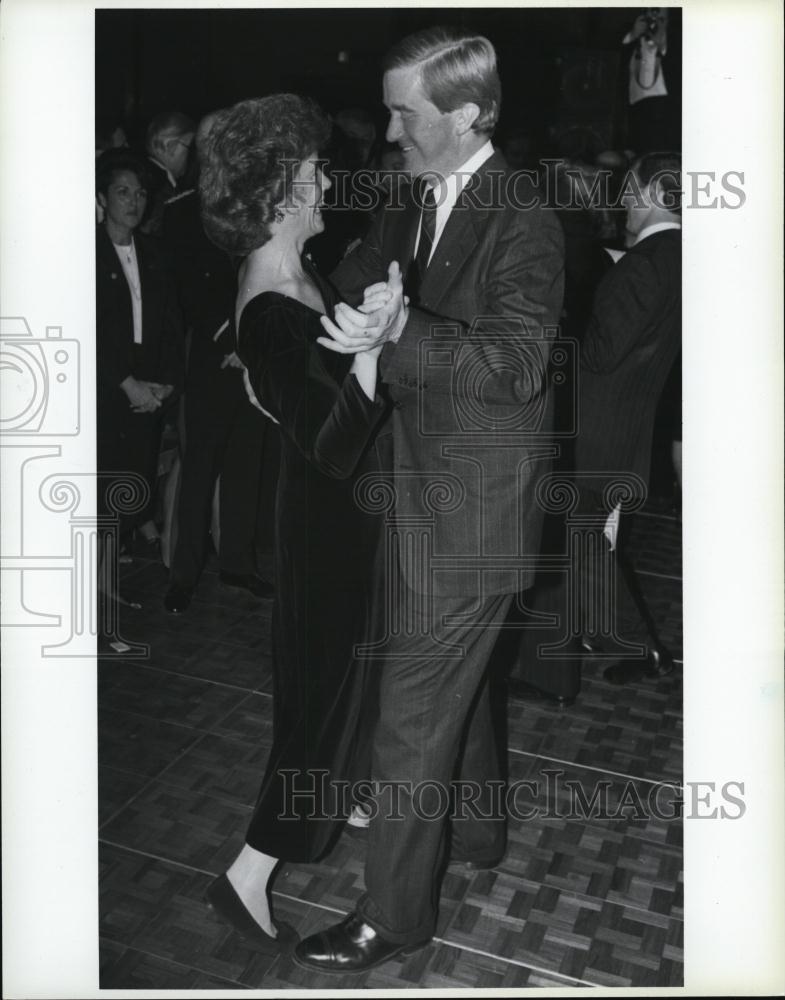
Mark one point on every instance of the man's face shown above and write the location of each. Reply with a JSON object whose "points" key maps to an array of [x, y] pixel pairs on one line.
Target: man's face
{"points": [[175, 153], [427, 137], [638, 200]]}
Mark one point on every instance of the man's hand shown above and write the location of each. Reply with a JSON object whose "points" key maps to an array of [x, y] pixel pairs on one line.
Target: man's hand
{"points": [[381, 317]]}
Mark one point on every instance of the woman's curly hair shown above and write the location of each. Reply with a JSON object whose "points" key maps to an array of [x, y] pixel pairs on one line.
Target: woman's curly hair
{"points": [[248, 160]]}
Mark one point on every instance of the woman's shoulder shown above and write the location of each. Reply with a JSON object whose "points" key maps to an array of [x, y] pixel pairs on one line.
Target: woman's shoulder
{"points": [[272, 321], [269, 305]]}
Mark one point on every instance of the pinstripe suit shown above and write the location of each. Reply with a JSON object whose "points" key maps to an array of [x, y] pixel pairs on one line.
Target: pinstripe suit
{"points": [[464, 450], [631, 343]]}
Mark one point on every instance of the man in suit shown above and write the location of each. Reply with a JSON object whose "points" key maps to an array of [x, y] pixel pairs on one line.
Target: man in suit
{"points": [[168, 140], [224, 435], [464, 365], [630, 345]]}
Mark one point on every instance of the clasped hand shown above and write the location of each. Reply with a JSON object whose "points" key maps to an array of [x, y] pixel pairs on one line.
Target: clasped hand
{"points": [[145, 396], [381, 317]]}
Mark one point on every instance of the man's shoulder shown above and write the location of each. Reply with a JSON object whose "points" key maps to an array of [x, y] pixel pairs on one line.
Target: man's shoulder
{"points": [[658, 252], [514, 196]]}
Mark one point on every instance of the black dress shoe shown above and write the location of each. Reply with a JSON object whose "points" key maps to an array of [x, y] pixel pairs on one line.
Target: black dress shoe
{"points": [[528, 692], [178, 599], [351, 946], [657, 664], [248, 581], [224, 900]]}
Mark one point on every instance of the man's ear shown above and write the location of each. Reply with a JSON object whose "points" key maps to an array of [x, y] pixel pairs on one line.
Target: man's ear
{"points": [[664, 196], [101, 199], [466, 116]]}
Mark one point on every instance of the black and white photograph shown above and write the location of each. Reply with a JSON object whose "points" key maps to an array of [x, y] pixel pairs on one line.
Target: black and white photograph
{"points": [[392, 553]]}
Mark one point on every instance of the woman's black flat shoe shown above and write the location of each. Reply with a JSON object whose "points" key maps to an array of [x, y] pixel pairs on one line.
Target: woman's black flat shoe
{"points": [[224, 900]]}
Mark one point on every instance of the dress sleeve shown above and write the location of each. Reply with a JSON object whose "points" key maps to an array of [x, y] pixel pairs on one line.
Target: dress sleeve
{"points": [[331, 423]]}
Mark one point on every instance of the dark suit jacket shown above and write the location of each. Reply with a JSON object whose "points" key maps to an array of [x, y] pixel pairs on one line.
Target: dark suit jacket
{"points": [[160, 190], [159, 358], [471, 414], [633, 338], [206, 286]]}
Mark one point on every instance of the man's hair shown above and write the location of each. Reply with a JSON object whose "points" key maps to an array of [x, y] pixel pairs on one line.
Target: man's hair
{"points": [[664, 168], [249, 158], [115, 161], [456, 68], [168, 125]]}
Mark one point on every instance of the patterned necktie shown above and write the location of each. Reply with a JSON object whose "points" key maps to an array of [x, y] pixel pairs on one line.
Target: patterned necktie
{"points": [[427, 232]]}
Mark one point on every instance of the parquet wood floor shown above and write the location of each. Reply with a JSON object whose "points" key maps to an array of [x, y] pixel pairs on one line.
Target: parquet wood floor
{"points": [[594, 899]]}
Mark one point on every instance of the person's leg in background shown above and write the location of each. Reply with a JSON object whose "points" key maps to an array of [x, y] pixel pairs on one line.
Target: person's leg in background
{"points": [[634, 621], [540, 674]]}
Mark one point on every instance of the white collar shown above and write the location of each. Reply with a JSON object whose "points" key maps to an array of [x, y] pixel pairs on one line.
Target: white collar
{"points": [[447, 190], [125, 248], [656, 227]]}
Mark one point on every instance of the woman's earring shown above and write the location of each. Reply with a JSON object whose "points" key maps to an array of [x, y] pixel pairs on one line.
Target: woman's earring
{"points": [[279, 215]]}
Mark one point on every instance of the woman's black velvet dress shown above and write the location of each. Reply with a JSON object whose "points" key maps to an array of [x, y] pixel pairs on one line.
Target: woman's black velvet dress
{"points": [[324, 547]]}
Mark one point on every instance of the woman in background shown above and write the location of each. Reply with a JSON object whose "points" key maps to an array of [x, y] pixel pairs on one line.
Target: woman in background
{"points": [[139, 340]]}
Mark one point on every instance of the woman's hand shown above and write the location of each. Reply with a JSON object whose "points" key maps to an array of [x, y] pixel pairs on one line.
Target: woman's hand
{"points": [[376, 297], [140, 395], [252, 395], [381, 317], [232, 361], [161, 392]]}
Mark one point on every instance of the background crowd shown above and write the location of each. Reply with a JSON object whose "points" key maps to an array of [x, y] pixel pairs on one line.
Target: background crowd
{"points": [[172, 404]]}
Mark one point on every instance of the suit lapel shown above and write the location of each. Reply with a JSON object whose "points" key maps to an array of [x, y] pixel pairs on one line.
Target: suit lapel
{"points": [[109, 264], [455, 246]]}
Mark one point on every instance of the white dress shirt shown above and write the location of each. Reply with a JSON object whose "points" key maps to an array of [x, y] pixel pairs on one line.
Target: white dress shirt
{"points": [[130, 266], [657, 227], [447, 191]]}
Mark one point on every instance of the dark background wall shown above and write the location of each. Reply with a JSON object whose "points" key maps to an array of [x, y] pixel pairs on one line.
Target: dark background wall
{"points": [[558, 66]]}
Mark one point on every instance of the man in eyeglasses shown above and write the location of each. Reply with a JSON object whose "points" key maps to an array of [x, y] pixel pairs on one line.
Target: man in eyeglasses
{"points": [[169, 138]]}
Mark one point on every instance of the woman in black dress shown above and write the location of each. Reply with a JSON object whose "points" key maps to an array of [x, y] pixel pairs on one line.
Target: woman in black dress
{"points": [[261, 188]]}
